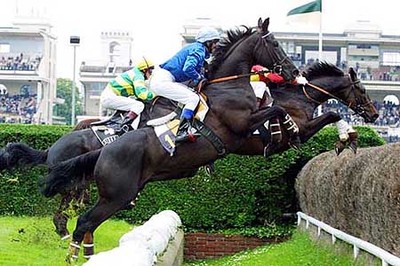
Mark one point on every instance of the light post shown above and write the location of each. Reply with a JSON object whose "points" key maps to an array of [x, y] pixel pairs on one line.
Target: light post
{"points": [[74, 41]]}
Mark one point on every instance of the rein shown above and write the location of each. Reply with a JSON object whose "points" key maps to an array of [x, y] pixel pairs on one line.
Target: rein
{"points": [[222, 79], [326, 93]]}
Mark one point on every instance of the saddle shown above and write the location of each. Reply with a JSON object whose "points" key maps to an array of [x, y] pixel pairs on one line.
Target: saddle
{"points": [[105, 130], [167, 132]]}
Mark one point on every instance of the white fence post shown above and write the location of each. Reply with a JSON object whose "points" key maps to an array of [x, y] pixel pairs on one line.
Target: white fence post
{"points": [[386, 257]]}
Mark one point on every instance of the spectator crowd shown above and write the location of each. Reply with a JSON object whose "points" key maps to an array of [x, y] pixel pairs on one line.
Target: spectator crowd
{"points": [[19, 62], [17, 108]]}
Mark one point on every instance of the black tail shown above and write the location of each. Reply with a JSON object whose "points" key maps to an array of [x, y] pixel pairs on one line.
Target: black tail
{"points": [[16, 155], [68, 173]]}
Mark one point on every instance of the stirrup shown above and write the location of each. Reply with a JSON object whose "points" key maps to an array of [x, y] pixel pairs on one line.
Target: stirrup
{"points": [[295, 142]]}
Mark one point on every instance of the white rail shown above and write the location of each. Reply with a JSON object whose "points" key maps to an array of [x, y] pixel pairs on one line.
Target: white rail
{"points": [[386, 257]]}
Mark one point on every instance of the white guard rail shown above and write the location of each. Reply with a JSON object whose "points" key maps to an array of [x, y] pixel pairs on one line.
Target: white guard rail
{"points": [[386, 257]]}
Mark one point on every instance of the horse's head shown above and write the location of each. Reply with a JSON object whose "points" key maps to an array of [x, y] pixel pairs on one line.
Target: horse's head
{"points": [[242, 49], [328, 81], [359, 99], [272, 52]]}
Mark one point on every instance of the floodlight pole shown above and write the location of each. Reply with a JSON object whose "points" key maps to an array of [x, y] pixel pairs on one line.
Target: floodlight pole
{"points": [[74, 41]]}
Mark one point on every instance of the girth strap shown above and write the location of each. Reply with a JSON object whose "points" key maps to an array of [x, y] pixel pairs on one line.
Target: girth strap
{"points": [[211, 137]]}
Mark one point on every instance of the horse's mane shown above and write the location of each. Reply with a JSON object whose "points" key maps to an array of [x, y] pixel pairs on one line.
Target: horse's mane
{"points": [[319, 69], [226, 43]]}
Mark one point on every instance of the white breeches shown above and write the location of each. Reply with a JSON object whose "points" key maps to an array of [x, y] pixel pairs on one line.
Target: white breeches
{"points": [[110, 100], [163, 84], [344, 129], [259, 88]]}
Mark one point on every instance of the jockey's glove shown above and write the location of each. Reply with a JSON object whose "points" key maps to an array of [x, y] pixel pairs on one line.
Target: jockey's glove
{"points": [[301, 80]]}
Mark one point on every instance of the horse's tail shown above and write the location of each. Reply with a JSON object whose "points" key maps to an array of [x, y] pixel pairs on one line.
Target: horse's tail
{"points": [[67, 174], [19, 155]]}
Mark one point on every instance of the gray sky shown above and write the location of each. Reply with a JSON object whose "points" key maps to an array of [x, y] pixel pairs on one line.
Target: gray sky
{"points": [[156, 24]]}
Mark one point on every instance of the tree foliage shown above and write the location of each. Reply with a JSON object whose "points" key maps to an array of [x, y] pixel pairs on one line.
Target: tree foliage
{"points": [[64, 92]]}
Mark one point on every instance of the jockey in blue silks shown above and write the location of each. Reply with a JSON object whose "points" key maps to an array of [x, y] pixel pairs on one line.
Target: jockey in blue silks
{"points": [[186, 65]]}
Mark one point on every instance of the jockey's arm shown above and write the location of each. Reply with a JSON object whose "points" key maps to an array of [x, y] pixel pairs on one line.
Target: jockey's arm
{"points": [[190, 67], [140, 89]]}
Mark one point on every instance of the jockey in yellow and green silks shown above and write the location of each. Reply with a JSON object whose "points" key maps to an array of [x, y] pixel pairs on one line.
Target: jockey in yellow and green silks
{"points": [[128, 90]]}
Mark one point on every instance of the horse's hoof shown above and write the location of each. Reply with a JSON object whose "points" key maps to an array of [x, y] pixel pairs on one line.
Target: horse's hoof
{"points": [[339, 147], [353, 146], [210, 169], [268, 150], [71, 260], [295, 143]]}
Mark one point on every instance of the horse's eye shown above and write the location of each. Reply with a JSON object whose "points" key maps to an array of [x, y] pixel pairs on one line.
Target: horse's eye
{"points": [[276, 44]]}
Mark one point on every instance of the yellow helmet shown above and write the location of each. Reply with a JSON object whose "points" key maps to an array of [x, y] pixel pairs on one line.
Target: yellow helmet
{"points": [[144, 64]]}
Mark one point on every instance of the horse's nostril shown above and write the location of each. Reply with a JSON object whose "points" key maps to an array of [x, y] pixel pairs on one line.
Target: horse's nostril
{"points": [[296, 72]]}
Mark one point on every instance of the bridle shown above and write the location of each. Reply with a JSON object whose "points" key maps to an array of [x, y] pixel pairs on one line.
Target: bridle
{"points": [[272, 55], [278, 63], [356, 105]]}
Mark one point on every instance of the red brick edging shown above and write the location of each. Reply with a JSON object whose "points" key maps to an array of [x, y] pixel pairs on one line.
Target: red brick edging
{"points": [[205, 246]]}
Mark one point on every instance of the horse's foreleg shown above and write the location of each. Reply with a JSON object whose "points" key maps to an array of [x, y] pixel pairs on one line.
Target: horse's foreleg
{"points": [[88, 245], [261, 116], [316, 124], [88, 222]]}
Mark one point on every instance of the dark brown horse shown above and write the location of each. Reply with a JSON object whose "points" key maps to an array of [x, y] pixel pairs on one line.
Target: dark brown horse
{"points": [[326, 81], [320, 89], [122, 168], [79, 142]]}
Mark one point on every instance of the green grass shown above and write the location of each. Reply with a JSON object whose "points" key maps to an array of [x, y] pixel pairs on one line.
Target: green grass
{"points": [[33, 241], [298, 251]]}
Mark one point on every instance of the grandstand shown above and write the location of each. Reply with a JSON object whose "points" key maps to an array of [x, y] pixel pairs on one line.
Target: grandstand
{"points": [[363, 46], [116, 58], [27, 71], [28, 61]]}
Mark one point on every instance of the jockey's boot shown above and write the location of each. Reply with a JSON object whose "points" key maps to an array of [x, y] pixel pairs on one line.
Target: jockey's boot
{"points": [[185, 131], [293, 130], [126, 123]]}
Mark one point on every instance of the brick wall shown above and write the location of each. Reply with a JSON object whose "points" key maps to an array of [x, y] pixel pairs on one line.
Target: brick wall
{"points": [[205, 246]]}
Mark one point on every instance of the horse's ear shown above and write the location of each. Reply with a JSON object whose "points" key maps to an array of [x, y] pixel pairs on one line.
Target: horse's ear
{"points": [[353, 74], [259, 24], [265, 25]]}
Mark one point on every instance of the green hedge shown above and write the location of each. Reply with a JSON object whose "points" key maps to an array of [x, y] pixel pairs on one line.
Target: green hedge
{"points": [[18, 189], [245, 191]]}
